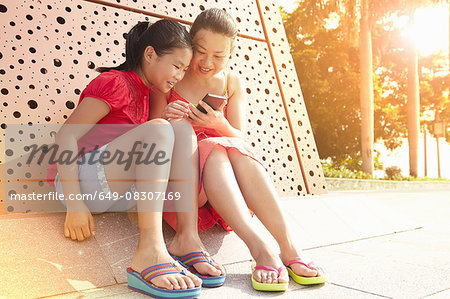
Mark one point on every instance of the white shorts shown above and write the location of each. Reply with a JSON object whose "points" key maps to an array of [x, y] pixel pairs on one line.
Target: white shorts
{"points": [[93, 181]]}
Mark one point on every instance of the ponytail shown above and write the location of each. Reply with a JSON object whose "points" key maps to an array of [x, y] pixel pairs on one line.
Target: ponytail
{"points": [[163, 36], [131, 47]]}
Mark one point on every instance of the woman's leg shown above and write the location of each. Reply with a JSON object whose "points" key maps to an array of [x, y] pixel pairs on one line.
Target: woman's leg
{"points": [[261, 197], [184, 179], [149, 178], [225, 196]]}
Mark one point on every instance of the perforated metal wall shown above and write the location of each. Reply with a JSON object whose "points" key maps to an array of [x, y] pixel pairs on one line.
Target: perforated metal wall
{"points": [[49, 50], [292, 98]]}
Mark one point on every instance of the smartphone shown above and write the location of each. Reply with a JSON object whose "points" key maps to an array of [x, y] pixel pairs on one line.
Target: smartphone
{"points": [[214, 101]]}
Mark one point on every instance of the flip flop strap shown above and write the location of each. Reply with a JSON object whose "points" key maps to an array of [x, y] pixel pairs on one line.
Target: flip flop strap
{"points": [[162, 269], [195, 257], [267, 268], [300, 262]]}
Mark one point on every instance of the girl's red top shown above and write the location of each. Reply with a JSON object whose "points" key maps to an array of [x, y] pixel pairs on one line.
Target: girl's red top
{"points": [[128, 100]]}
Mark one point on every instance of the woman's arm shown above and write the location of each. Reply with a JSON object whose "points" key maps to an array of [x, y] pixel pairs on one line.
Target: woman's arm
{"points": [[234, 124], [237, 102]]}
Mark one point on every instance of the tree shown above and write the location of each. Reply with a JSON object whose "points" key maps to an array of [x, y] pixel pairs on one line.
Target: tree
{"points": [[391, 46], [366, 83], [328, 69], [413, 99], [328, 64], [410, 6], [349, 12]]}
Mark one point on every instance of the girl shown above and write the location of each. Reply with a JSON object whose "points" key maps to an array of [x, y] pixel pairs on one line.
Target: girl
{"points": [[231, 175], [111, 118]]}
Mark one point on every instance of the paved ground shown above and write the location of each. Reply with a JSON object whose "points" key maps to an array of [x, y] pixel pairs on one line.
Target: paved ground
{"points": [[372, 244]]}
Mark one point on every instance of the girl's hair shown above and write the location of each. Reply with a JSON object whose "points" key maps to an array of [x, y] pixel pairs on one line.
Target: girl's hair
{"points": [[163, 36], [216, 20]]}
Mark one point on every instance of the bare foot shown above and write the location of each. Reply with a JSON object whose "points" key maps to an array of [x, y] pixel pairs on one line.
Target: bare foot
{"points": [[144, 258], [300, 269], [265, 257], [183, 244]]}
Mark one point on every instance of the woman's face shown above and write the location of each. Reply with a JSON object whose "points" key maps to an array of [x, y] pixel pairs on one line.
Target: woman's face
{"points": [[211, 53], [163, 72]]}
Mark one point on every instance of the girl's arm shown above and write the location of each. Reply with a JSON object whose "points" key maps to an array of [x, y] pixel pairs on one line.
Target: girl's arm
{"points": [[160, 109], [157, 103], [84, 117], [79, 222]]}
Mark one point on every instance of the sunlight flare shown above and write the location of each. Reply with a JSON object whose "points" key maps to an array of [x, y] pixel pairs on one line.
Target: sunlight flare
{"points": [[431, 29]]}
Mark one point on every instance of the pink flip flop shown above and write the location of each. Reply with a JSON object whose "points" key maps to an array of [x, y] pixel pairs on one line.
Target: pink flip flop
{"points": [[270, 287], [304, 280]]}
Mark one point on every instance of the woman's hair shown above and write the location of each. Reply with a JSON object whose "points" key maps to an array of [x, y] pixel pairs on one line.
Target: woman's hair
{"points": [[217, 21], [163, 36]]}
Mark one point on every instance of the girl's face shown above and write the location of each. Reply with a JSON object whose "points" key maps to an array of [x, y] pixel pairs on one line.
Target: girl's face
{"points": [[211, 53], [163, 72]]}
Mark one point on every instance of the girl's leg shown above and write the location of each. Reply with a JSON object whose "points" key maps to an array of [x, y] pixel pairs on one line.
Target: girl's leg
{"points": [[261, 197], [225, 196], [149, 178], [184, 179]]}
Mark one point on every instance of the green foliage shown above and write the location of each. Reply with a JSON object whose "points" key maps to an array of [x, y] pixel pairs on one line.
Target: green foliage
{"points": [[327, 67], [393, 172], [327, 63], [331, 171]]}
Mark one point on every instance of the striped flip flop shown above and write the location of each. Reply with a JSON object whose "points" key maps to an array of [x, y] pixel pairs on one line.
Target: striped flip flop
{"points": [[140, 282], [192, 258]]}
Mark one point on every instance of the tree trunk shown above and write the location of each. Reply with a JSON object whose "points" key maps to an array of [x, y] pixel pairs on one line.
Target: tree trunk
{"points": [[366, 87], [413, 103]]}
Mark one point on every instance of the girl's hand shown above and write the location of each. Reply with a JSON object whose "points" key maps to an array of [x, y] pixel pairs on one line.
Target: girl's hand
{"points": [[176, 109], [79, 225], [213, 119]]}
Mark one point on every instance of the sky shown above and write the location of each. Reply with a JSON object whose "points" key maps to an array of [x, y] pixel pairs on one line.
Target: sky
{"points": [[288, 5]]}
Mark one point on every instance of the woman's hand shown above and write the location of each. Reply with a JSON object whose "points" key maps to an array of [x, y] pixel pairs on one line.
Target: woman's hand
{"points": [[213, 119], [79, 225], [176, 109]]}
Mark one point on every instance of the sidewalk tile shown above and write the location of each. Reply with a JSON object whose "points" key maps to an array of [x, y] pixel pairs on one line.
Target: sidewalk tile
{"points": [[382, 276], [117, 237], [440, 295], [37, 260]]}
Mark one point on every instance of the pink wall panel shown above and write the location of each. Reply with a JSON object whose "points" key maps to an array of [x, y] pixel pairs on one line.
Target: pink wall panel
{"points": [[49, 50]]}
